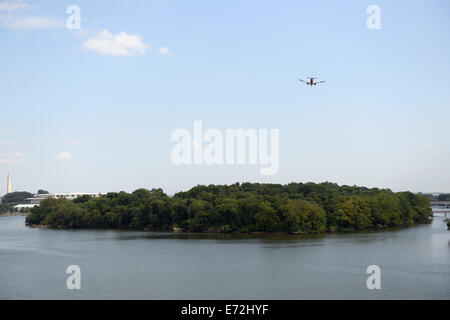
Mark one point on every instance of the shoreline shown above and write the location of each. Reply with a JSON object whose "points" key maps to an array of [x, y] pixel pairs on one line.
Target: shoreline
{"points": [[378, 229], [13, 214]]}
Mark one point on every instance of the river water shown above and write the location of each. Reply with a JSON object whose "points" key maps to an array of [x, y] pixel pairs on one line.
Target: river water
{"points": [[414, 263]]}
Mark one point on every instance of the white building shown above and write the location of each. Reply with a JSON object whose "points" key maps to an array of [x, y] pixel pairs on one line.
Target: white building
{"points": [[37, 198], [25, 206]]}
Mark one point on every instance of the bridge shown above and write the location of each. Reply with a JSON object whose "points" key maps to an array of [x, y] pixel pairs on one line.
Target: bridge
{"points": [[444, 204]]}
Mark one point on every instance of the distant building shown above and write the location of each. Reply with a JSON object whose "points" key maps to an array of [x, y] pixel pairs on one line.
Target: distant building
{"points": [[26, 206], [37, 198]]}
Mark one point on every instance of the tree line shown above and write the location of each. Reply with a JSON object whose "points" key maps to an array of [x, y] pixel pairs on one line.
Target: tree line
{"points": [[246, 207], [5, 208], [16, 197], [9, 200], [439, 197]]}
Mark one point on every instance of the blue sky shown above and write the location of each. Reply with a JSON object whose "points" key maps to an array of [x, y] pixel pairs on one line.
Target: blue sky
{"points": [[382, 119]]}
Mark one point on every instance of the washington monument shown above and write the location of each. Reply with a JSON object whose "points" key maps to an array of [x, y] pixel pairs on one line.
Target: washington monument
{"points": [[8, 187]]}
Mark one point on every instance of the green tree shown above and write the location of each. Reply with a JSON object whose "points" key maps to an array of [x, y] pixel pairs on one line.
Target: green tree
{"points": [[266, 218], [303, 216]]}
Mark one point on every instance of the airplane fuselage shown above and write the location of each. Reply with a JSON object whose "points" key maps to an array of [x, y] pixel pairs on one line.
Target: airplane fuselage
{"points": [[310, 81]]}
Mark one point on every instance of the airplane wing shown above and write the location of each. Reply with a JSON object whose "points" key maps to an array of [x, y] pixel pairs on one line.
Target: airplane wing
{"points": [[320, 81], [302, 80]]}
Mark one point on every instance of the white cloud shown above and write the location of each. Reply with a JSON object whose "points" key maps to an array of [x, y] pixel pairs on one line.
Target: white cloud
{"points": [[164, 50], [121, 44], [9, 6], [12, 158], [65, 155], [12, 16]]}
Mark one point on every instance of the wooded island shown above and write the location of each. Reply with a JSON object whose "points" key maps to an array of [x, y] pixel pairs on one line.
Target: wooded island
{"points": [[246, 207]]}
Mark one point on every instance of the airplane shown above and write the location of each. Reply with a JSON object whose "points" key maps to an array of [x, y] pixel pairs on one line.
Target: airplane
{"points": [[311, 81]]}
